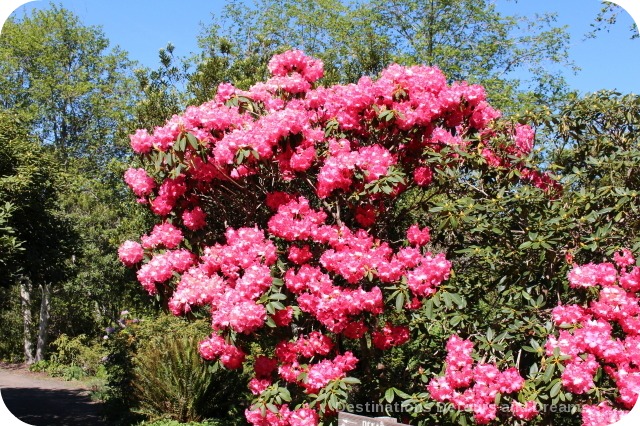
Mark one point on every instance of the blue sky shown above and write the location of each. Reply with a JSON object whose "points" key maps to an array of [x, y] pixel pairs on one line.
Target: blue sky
{"points": [[141, 27]]}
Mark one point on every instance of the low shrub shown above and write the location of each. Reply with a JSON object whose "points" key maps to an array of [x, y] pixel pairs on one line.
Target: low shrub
{"points": [[154, 372], [78, 356], [171, 380], [165, 422]]}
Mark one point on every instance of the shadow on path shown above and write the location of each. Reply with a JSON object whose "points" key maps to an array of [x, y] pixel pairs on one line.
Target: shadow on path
{"points": [[52, 407]]}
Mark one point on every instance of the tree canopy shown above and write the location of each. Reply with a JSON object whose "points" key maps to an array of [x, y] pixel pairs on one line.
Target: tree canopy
{"points": [[31, 181], [467, 39], [70, 89]]}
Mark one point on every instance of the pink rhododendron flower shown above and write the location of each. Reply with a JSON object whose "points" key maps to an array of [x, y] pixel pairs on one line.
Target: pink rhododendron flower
{"points": [[257, 386], [524, 136], [194, 219], [141, 141], [165, 235], [473, 387], [624, 258], [417, 236], [526, 411], [422, 176], [294, 61], [600, 415], [130, 253], [139, 181], [390, 336]]}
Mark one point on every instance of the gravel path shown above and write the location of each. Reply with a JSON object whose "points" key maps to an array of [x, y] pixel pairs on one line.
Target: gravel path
{"points": [[40, 400]]}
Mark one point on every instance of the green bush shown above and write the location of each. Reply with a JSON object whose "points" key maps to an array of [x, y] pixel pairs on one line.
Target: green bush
{"points": [[39, 366], [177, 423], [154, 371], [171, 380], [54, 369], [78, 352]]}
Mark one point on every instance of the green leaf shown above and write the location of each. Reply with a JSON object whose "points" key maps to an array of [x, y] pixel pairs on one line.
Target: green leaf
{"points": [[285, 394], [525, 245], [270, 308], [400, 302], [548, 372], [157, 160], [193, 141], [428, 309], [447, 300], [389, 394]]}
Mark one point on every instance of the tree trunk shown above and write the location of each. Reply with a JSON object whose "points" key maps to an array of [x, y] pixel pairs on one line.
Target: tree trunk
{"points": [[25, 298], [44, 321]]}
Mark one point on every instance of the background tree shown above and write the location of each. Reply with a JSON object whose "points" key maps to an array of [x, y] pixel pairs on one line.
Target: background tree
{"points": [[597, 153], [73, 91], [467, 39], [31, 180], [76, 99], [607, 17], [162, 90]]}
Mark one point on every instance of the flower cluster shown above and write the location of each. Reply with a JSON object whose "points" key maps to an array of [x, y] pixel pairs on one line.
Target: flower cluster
{"points": [[216, 348], [390, 336], [474, 387], [161, 267], [230, 278], [600, 415], [303, 416], [139, 181], [588, 338], [294, 130], [342, 165], [317, 375], [417, 236], [294, 61], [130, 253], [164, 234]]}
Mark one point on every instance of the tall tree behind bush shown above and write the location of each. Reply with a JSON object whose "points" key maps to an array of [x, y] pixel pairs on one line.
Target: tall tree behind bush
{"points": [[75, 97], [467, 39], [73, 90], [31, 180]]}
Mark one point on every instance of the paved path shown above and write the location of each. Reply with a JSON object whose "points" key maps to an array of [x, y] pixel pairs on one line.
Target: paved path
{"points": [[40, 400]]}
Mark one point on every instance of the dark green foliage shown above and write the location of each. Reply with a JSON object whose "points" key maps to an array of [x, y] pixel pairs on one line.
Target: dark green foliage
{"points": [[30, 180], [9, 244], [177, 423], [171, 380], [10, 325], [597, 153], [154, 369], [104, 213]]}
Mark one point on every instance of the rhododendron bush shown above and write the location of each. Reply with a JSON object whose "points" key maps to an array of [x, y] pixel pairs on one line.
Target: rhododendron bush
{"points": [[276, 217]]}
